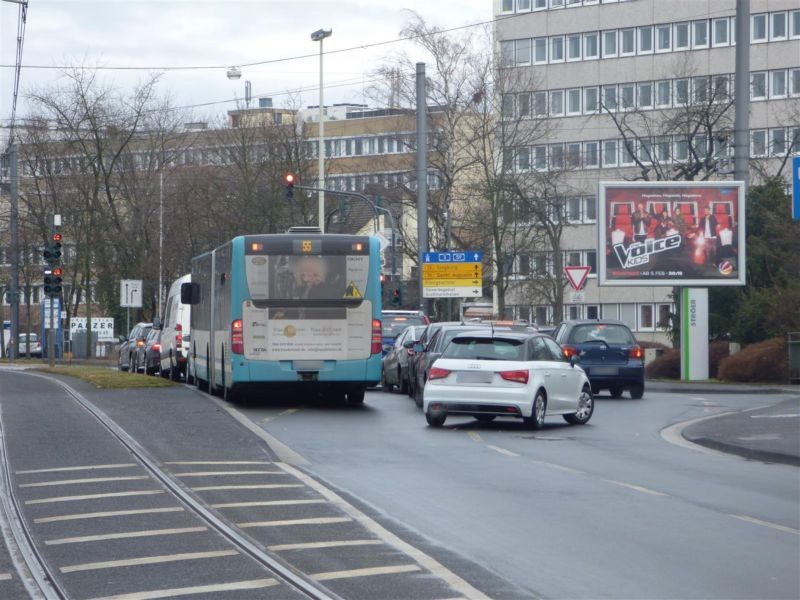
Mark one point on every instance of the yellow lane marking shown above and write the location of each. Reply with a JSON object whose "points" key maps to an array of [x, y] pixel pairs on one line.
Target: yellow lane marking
{"points": [[286, 413], [227, 473], [316, 545], [316, 521], [475, 436], [365, 572], [147, 560], [94, 496], [262, 486], [81, 481], [766, 524], [253, 584], [638, 488], [124, 535], [502, 450], [111, 513], [86, 468], [219, 462], [267, 503]]}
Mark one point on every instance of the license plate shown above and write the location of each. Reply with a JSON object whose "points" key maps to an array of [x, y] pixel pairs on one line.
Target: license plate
{"points": [[605, 371], [476, 377]]}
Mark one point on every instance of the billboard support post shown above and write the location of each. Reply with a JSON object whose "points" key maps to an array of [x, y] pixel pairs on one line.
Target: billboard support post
{"points": [[694, 334]]}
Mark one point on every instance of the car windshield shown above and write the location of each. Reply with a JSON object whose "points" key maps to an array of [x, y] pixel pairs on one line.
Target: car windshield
{"points": [[394, 326], [485, 349], [599, 332]]}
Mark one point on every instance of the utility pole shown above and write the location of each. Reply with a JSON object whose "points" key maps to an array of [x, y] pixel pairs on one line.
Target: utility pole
{"points": [[14, 224], [741, 127], [422, 177]]}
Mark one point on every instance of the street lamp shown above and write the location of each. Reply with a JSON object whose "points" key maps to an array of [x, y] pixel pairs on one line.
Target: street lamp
{"points": [[318, 36]]}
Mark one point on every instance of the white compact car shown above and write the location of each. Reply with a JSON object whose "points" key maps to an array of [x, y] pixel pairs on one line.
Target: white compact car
{"points": [[488, 374]]}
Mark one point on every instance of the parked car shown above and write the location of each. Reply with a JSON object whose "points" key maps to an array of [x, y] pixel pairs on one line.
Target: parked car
{"points": [[609, 354], [176, 332], [131, 349], [488, 374], [394, 322], [24, 339], [152, 352], [418, 349], [395, 363]]}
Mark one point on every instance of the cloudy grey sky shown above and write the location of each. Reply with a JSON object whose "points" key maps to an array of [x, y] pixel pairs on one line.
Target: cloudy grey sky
{"points": [[177, 33]]}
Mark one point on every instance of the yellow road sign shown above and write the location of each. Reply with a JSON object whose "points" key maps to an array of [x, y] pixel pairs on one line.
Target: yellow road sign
{"points": [[450, 282], [453, 270]]}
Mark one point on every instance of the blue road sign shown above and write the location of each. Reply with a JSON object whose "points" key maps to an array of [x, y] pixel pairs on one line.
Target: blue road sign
{"points": [[460, 256], [796, 187]]}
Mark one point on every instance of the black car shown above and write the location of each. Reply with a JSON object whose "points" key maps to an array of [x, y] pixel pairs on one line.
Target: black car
{"points": [[152, 352], [609, 354], [131, 350]]}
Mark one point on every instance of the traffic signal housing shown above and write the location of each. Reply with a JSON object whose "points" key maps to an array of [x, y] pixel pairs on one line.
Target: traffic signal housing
{"points": [[397, 299], [289, 185]]}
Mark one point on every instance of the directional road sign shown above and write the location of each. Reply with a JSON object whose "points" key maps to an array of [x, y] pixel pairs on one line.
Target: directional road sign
{"points": [[452, 274], [130, 293], [796, 187]]}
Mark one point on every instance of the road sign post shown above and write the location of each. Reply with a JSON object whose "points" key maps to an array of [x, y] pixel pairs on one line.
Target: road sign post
{"points": [[452, 274]]}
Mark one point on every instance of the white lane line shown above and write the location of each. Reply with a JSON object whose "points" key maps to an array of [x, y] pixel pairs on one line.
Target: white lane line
{"points": [[637, 488], [253, 584], [81, 481], [226, 473], [147, 560], [286, 522], [94, 496], [111, 513], [502, 450], [124, 535], [317, 545], [559, 467], [86, 468], [766, 524], [365, 572], [261, 486], [786, 416], [267, 503], [219, 462], [5, 576]]}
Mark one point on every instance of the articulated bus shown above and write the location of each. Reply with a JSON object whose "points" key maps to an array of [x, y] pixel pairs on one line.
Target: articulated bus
{"points": [[297, 312]]}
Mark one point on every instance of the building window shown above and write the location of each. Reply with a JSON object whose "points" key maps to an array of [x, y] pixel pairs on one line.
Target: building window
{"points": [[574, 47], [508, 6], [591, 261], [507, 53], [778, 89], [778, 142], [646, 317], [794, 21], [682, 92], [557, 103], [627, 94], [539, 4], [591, 45], [541, 316], [590, 100], [627, 314], [681, 36], [524, 159], [524, 105], [794, 82], [540, 104], [759, 142], [610, 97], [507, 106], [721, 88], [590, 208], [645, 40], [523, 5], [700, 34], [573, 311], [778, 26], [610, 153], [758, 86], [557, 49], [681, 151], [540, 158], [574, 101], [574, 215], [609, 311], [557, 156], [592, 311], [719, 28], [591, 155], [758, 28], [645, 96], [540, 51], [609, 43], [524, 51], [663, 92], [556, 3], [700, 85], [627, 42], [663, 38], [628, 153]]}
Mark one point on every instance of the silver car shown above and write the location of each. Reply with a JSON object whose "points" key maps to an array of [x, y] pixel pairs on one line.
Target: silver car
{"points": [[395, 363]]}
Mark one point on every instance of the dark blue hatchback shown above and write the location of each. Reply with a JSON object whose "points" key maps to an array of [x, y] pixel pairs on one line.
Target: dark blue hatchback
{"points": [[608, 353]]}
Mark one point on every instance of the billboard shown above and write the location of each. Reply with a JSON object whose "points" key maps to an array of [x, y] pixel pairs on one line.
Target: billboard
{"points": [[683, 233]]}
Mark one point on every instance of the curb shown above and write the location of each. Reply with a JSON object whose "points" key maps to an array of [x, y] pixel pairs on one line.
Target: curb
{"points": [[749, 453]]}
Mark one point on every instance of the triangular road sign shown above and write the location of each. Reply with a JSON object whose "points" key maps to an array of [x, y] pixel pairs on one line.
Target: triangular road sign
{"points": [[577, 276]]}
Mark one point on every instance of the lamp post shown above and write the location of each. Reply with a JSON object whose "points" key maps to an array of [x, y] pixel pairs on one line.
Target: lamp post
{"points": [[318, 36]]}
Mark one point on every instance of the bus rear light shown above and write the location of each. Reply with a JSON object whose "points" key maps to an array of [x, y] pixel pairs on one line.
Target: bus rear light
{"points": [[437, 373], [377, 337], [636, 352], [520, 376], [237, 337]]}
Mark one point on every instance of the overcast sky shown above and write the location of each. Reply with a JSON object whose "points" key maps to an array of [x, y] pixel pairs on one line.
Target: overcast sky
{"points": [[169, 33]]}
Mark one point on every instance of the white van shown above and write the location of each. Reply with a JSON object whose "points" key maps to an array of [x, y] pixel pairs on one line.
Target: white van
{"points": [[175, 332]]}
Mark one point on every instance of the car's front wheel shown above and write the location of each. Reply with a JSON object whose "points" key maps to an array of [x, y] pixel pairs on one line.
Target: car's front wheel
{"points": [[585, 408], [538, 411]]}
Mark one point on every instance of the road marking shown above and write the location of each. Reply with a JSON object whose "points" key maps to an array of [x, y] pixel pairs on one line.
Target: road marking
{"points": [[475, 436], [559, 467], [253, 584], [267, 503], [314, 521], [637, 488], [147, 560], [86, 468], [673, 435], [758, 437], [113, 513], [365, 572], [285, 413], [219, 462], [80, 481], [766, 524], [315, 545], [786, 416], [226, 473], [5, 576], [260, 486], [94, 496], [502, 450], [696, 398], [124, 535]]}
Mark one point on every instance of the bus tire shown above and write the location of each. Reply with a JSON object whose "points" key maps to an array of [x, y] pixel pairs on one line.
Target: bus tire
{"points": [[356, 395]]}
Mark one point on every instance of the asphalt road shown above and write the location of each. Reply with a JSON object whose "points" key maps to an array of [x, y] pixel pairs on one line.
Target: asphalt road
{"points": [[607, 510]]}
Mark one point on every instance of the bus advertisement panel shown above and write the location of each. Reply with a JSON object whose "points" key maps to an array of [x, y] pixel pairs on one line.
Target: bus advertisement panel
{"points": [[683, 233]]}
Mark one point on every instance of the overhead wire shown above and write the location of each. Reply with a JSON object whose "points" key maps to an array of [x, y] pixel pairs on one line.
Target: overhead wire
{"points": [[21, 21]]}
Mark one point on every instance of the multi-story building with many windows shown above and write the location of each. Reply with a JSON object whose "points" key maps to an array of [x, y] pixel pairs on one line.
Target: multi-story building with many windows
{"points": [[615, 78]]}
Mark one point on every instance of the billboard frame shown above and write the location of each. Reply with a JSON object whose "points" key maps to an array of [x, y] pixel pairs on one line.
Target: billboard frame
{"points": [[602, 236]]}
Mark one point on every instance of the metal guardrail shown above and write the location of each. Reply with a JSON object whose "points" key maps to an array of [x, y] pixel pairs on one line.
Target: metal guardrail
{"points": [[794, 357]]}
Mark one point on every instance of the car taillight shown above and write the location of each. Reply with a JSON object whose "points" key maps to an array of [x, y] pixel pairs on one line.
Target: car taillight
{"points": [[518, 376], [636, 352], [139, 343], [156, 346], [237, 337], [377, 339], [437, 373], [569, 351], [178, 334]]}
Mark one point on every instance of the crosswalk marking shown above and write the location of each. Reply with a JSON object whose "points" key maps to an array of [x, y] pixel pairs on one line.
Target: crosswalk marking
{"points": [[260, 486], [267, 503], [110, 513], [317, 521], [253, 584], [93, 496], [316, 545], [227, 473], [365, 572], [219, 462], [85, 468]]}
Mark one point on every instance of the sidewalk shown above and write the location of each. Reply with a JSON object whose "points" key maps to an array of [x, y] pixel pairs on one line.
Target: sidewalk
{"points": [[769, 434]]}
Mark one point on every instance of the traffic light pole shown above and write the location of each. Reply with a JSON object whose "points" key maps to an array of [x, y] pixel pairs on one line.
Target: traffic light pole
{"points": [[14, 226]]}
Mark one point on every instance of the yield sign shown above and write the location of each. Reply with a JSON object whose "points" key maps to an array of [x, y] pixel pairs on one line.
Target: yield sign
{"points": [[577, 276]]}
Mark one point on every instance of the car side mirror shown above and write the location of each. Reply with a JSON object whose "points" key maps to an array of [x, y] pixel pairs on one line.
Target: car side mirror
{"points": [[574, 360], [122, 339], [409, 344]]}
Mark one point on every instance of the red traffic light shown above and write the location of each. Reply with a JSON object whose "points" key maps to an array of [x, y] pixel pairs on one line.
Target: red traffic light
{"points": [[56, 237], [289, 178], [57, 272]]}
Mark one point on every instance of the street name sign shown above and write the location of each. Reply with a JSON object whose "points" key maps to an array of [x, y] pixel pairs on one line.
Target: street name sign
{"points": [[452, 274], [130, 293]]}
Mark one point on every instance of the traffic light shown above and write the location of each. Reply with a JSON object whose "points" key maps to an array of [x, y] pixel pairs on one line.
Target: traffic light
{"points": [[49, 283], [396, 298], [289, 183], [52, 252], [56, 275]]}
